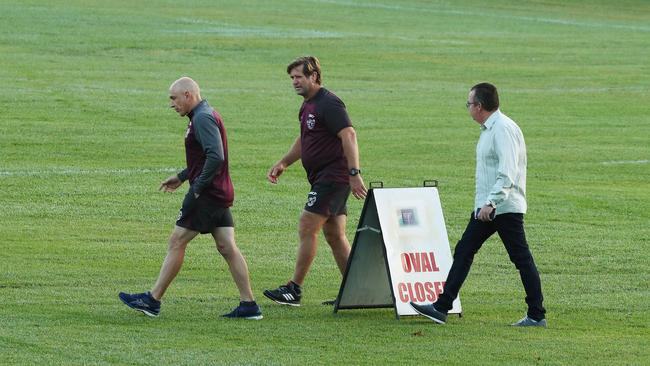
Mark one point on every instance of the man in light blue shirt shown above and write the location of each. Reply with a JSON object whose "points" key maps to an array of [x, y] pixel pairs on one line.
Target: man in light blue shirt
{"points": [[499, 206]]}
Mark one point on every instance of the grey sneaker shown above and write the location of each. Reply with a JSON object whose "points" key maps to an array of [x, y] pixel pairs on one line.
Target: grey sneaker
{"points": [[528, 322], [430, 312]]}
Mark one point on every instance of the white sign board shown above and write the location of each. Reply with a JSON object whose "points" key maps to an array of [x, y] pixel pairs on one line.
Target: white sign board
{"points": [[400, 253]]}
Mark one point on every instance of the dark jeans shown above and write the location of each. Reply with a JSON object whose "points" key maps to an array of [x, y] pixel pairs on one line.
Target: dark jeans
{"points": [[510, 227]]}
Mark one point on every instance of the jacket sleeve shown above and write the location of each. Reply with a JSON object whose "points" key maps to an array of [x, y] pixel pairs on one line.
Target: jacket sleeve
{"points": [[506, 151], [208, 135]]}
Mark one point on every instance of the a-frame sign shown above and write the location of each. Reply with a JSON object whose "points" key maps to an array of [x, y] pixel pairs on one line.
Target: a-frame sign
{"points": [[400, 252]]}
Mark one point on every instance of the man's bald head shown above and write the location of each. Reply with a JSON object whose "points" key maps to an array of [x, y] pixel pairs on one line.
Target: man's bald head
{"points": [[186, 84], [184, 95]]}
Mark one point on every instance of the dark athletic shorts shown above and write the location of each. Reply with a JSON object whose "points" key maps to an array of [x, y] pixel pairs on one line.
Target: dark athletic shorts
{"points": [[328, 199], [203, 214]]}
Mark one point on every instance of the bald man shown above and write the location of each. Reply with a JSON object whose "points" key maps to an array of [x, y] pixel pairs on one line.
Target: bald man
{"points": [[206, 207]]}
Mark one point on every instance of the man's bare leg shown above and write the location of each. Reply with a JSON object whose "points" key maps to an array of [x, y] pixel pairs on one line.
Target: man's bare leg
{"points": [[224, 237], [173, 261]]}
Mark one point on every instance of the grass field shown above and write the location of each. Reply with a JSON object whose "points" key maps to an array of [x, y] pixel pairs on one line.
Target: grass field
{"points": [[86, 136]]}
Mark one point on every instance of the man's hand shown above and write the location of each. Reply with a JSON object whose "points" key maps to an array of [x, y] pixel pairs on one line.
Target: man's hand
{"points": [[275, 172], [359, 190], [170, 184], [484, 213]]}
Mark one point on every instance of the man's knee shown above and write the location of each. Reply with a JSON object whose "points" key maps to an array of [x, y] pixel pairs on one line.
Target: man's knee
{"points": [[224, 239], [310, 224], [177, 242], [464, 252], [307, 231], [180, 237], [522, 259], [335, 226], [335, 238], [226, 247]]}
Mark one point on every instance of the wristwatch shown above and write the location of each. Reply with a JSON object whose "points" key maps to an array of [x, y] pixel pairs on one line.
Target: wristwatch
{"points": [[354, 171], [490, 203]]}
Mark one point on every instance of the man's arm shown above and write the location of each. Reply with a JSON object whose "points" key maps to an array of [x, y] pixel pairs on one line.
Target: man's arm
{"points": [[289, 158], [507, 152], [171, 183], [208, 135], [351, 151]]}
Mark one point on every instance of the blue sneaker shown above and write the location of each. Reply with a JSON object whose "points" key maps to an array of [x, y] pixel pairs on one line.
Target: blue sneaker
{"points": [[430, 312], [143, 302], [251, 312], [529, 322]]}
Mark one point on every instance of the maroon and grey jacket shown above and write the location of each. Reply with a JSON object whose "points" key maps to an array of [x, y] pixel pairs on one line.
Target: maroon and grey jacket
{"points": [[206, 153]]}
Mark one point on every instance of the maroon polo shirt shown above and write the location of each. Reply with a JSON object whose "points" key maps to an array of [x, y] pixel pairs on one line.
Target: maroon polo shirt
{"points": [[321, 119]]}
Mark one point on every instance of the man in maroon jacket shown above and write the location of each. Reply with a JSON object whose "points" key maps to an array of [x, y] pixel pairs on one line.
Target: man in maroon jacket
{"points": [[206, 207], [327, 146]]}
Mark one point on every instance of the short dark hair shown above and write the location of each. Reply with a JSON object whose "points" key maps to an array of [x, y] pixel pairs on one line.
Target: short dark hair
{"points": [[310, 65], [486, 94]]}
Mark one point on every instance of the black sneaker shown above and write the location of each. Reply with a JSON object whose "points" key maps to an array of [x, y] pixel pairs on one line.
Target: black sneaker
{"points": [[288, 294], [143, 302], [430, 312], [243, 311]]}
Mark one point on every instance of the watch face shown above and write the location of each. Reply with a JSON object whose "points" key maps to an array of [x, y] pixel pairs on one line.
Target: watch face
{"points": [[354, 171]]}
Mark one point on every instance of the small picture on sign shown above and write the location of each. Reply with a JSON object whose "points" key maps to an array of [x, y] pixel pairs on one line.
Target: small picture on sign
{"points": [[407, 217]]}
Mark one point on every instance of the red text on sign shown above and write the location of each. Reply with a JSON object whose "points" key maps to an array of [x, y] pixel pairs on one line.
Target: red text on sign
{"points": [[419, 291], [419, 262]]}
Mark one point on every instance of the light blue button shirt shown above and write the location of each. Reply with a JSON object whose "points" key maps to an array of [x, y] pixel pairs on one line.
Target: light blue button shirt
{"points": [[501, 165]]}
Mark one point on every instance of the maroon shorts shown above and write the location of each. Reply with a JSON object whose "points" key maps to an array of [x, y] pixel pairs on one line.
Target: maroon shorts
{"points": [[328, 199]]}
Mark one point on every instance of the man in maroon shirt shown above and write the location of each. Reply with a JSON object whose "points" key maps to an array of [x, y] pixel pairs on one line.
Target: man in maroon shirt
{"points": [[206, 205], [327, 146]]}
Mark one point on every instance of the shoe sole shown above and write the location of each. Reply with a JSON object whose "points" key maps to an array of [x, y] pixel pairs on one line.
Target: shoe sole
{"points": [[250, 317], [280, 302], [528, 325], [145, 312], [429, 316]]}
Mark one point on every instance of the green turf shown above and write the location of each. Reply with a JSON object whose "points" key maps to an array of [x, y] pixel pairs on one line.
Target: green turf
{"points": [[86, 136]]}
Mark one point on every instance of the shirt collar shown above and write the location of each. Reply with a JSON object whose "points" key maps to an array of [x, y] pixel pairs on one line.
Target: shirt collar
{"points": [[320, 92], [201, 103], [490, 121]]}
